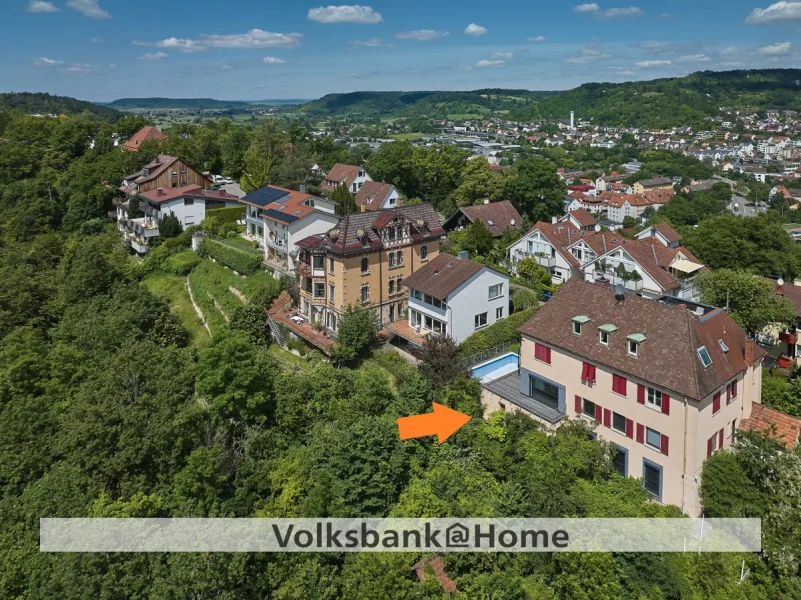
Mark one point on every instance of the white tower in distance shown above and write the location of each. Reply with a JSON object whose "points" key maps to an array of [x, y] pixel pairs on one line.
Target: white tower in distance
{"points": [[572, 120]]}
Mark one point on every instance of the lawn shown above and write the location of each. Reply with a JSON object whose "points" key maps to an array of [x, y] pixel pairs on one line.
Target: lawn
{"points": [[409, 136], [287, 358], [172, 289]]}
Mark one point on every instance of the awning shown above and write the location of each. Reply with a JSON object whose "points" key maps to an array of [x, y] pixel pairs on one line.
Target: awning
{"points": [[686, 266]]}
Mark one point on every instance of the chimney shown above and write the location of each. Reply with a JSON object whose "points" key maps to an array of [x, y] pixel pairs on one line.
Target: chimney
{"points": [[486, 200], [302, 188], [160, 192], [553, 220]]}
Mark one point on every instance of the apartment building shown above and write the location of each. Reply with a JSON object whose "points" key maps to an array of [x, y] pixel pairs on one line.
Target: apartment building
{"points": [[277, 218], [667, 385], [454, 296], [364, 260], [657, 183]]}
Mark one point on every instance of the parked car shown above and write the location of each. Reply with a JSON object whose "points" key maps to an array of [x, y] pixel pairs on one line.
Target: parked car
{"points": [[218, 179]]}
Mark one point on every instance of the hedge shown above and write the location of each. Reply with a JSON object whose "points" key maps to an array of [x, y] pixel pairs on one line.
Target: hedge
{"points": [[502, 332], [181, 263], [240, 260], [231, 214]]}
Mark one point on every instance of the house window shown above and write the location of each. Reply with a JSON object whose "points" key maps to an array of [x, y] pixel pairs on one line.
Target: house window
{"points": [[652, 479], [619, 384], [366, 265], [331, 292], [391, 259], [731, 392], [189, 201], [588, 408], [619, 423], [633, 347], [542, 388], [423, 252], [415, 318], [703, 354], [391, 286], [319, 289], [576, 328], [399, 257], [603, 337], [499, 313], [620, 461], [330, 264], [190, 220], [428, 299], [481, 320], [542, 353], [418, 295], [653, 439], [365, 293], [654, 398], [495, 291], [318, 262]]}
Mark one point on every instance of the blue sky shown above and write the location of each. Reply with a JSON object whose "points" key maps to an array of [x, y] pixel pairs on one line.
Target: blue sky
{"points": [[255, 49]]}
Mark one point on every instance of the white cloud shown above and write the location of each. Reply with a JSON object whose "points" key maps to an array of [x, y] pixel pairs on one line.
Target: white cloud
{"points": [[474, 29], [630, 11], [255, 38], [539, 38], [79, 69], [584, 8], [729, 51], [773, 49], [421, 35], [371, 43], [503, 55], [775, 13], [153, 56], [112, 66], [586, 55], [488, 63], [694, 58], [273, 60], [96, 40], [364, 15], [645, 64], [42, 7], [665, 16], [46, 62], [90, 8]]}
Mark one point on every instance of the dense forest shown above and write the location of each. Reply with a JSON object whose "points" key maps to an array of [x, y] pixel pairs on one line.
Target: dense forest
{"points": [[114, 403], [45, 104], [180, 103]]}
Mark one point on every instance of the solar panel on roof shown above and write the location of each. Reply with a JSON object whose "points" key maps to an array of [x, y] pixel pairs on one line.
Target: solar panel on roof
{"points": [[279, 216], [265, 196]]}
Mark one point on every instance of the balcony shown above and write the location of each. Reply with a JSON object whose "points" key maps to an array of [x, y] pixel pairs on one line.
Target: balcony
{"points": [[277, 244], [546, 261], [123, 204], [541, 406], [149, 210], [146, 231]]}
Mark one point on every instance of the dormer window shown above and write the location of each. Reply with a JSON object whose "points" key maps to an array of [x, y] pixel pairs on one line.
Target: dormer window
{"points": [[634, 341], [579, 322], [603, 333]]}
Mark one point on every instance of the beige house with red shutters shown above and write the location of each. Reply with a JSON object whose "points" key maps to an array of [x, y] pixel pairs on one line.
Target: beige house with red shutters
{"points": [[666, 384]]}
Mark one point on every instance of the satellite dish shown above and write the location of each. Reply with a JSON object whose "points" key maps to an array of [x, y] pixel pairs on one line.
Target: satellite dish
{"points": [[512, 222], [597, 227]]}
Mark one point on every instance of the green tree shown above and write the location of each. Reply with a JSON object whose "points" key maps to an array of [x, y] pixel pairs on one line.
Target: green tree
{"points": [[344, 200], [477, 239], [439, 363], [357, 332], [170, 227], [536, 189], [531, 271], [752, 301], [256, 170], [479, 183]]}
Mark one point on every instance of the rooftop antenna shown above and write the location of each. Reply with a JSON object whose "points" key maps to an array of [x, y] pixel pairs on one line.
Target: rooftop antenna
{"points": [[743, 573]]}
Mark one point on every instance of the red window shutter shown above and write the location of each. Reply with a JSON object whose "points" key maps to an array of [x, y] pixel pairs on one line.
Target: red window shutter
{"points": [[578, 405], [607, 418], [591, 373], [734, 388], [630, 429], [710, 444], [641, 394], [665, 445], [720, 439], [640, 433], [665, 404], [716, 403], [599, 413], [547, 355], [584, 368], [619, 385], [537, 351], [728, 394]]}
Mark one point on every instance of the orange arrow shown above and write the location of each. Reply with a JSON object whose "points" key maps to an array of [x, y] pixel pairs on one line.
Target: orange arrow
{"points": [[443, 423]]}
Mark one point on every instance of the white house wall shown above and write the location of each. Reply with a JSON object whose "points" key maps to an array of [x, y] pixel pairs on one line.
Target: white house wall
{"points": [[472, 298], [191, 214]]}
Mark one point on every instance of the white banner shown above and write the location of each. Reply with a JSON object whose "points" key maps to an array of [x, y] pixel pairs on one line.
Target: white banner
{"points": [[400, 535]]}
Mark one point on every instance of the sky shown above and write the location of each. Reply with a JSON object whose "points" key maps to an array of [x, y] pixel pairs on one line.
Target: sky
{"points": [[101, 50]]}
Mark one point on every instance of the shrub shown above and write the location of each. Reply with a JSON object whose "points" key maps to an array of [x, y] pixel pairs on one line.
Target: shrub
{"points": [[240, 260], [499, 333], [181, 263], [232, 214]]}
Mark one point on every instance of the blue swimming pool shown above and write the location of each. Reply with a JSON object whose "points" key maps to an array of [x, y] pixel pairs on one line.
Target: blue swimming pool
{"points": [[495, 368]]}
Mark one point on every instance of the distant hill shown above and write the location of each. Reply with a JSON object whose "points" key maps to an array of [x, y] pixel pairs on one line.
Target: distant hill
{"points": [[676, 101], [657, 103], [37, 103], [436, 104], [179, 103]]}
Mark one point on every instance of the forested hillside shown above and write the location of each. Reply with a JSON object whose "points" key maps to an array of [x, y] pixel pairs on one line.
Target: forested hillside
{"points": [[180, 103], [36, 103], [115, 402]]}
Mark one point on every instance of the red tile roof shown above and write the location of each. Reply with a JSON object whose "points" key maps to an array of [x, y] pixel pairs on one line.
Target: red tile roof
{"points": [[435, 562], [341, 174], [780, 426], [496, 216], [189, 191], [144, 134], [583, 217], [668, 358], [792, 293], [670, 234], [373, 193], [442, 275]]}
